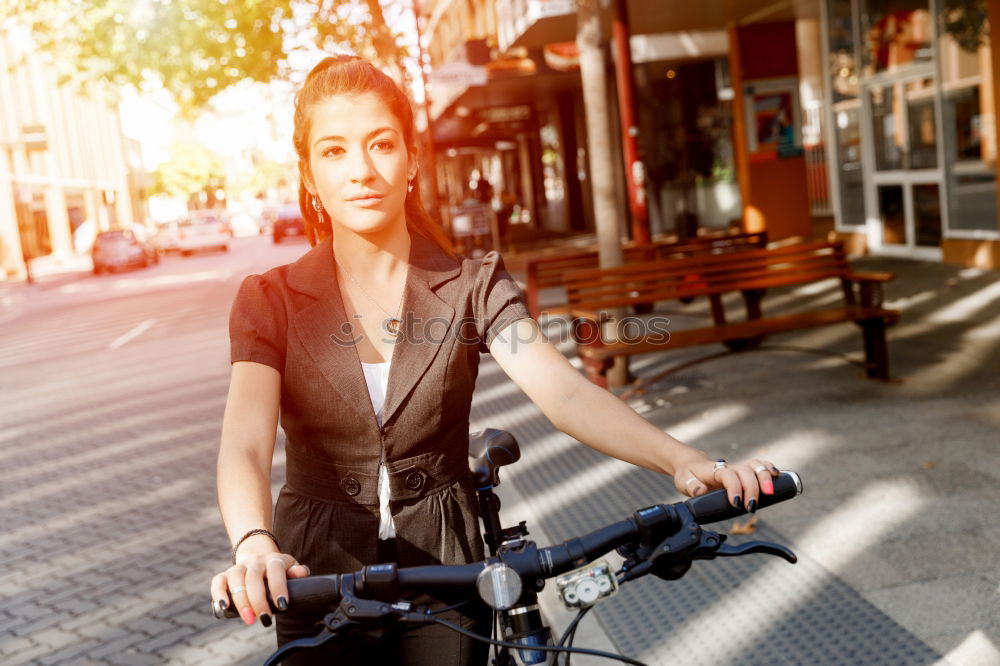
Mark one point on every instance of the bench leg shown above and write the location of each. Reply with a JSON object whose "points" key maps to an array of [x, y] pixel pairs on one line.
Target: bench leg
{"points": [[876, 349], [597, 370]]}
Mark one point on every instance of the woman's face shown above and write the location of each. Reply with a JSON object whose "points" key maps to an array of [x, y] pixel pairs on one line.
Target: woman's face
{"points": [[359, 165]]}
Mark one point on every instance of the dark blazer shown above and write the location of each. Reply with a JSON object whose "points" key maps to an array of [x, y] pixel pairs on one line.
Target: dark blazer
{"points": [[293, 319]]}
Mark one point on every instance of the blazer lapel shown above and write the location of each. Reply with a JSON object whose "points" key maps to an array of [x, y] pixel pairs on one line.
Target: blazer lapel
{"points": [[324, 330], [427, 320]]}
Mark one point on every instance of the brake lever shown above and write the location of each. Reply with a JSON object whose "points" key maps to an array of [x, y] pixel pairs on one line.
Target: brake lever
{"points": [[333, 627], [750, 547]]}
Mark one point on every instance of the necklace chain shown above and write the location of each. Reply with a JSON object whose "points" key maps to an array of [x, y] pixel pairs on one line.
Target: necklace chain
{"points": [[393, 320]]}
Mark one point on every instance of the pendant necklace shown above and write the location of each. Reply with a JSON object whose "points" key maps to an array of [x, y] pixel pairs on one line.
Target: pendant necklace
{"points": [[392, 322]]}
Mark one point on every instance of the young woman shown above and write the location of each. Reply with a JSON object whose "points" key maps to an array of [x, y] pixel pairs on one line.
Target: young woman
{"points": [[369, 345]]}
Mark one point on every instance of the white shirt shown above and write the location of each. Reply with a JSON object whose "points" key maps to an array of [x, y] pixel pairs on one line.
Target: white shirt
{"points": [[377, 379]]}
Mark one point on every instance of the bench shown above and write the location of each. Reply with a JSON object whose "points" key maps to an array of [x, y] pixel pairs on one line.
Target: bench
{"points": [[593, 293], [542, 272]]}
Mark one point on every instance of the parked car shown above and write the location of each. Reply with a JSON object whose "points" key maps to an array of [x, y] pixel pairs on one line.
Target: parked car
{"points": [[203, 230], [121, 248], [287, 222], [168, 236]]}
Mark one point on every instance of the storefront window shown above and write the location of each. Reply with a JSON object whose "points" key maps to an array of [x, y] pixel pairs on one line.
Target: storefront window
{"points": [[922, 125], [969, 127], [927, 214], [892, 210], [894, 33], [887, 129], [848, 138], [843, 59]]}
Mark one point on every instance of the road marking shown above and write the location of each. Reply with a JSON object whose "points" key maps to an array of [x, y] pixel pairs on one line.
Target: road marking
{"points": [[135, 332]]}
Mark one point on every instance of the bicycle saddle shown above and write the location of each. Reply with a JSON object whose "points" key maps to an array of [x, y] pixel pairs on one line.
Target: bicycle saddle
{"points": [[489, 450]]}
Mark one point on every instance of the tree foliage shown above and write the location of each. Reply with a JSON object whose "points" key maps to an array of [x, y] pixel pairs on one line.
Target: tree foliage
{"points": [[967, 22], [196, 48], [190, 169]]}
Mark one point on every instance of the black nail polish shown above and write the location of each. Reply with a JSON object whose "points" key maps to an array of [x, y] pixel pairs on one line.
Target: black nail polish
{"points": [[265, 620], [281, 603], [738, 502], [223, 605], [752, 506], [775, 469]]}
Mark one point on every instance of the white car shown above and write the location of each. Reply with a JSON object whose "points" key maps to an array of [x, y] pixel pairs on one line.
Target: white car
{"points": [[203, 230]]}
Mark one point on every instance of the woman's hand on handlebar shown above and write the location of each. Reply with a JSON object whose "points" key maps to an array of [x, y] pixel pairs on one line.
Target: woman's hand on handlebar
{"points": [[744, 482], [248, 581]]}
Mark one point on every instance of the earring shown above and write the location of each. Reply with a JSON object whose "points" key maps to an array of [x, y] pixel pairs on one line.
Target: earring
{"points": [[318, 207], [409, 186]]}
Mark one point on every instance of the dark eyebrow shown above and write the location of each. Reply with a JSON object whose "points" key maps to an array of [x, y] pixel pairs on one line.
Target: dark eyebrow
{"points": [[371, 134]]}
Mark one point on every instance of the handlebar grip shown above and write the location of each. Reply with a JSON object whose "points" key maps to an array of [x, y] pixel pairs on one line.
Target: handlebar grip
{"points": [[310, 593], [314, 592], [714, 506]]}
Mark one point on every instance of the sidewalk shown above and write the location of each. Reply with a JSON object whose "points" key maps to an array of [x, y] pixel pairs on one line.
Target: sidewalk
{"points": [[895, 532], [47, 272]]}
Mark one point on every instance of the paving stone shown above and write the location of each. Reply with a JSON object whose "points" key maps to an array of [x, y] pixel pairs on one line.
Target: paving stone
{"points": [[116, 646], [68, 653], [165, 639], [135, 658]]}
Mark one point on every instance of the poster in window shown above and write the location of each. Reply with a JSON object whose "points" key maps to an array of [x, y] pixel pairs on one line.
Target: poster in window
{"points": [[773, 120]]}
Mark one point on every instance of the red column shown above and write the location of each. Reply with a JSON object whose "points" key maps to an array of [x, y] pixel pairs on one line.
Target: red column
{"points": [[635, 171]]}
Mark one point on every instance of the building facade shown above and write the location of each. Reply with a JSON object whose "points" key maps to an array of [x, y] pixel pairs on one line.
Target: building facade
{"points": [[64, 162], [869, 119]]}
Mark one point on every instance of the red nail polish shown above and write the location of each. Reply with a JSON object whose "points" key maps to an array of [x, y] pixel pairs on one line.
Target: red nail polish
{"points": [[247, 615], [768, 488]]}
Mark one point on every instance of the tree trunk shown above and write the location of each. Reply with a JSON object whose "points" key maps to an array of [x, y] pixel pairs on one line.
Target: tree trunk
{"points": [[595, 101], [602, 175]]}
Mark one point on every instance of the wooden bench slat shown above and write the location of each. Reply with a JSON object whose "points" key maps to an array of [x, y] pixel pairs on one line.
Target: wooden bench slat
{"points": [[740, 330]]}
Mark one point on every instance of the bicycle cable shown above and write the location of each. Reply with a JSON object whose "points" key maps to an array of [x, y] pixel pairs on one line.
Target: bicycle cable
{"points": [[570, 634], [540, 648]]}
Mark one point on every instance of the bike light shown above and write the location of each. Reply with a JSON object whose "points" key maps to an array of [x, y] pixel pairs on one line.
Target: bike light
{"points": [[499, 586], [587, 585]]}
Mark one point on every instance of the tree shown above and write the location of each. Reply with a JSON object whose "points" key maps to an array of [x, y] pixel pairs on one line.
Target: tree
{"points": [[196, 48], [967, 22], [190, 169], [593, 75]]}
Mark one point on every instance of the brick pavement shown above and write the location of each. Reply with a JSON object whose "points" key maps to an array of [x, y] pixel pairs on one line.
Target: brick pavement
{"points": [[109, 531]]}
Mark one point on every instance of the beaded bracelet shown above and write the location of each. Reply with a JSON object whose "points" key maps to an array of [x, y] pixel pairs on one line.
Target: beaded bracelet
{"points": [[251, 533]]}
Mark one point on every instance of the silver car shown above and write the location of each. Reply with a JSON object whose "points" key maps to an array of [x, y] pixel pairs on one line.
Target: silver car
{"points": [[203, 230]]}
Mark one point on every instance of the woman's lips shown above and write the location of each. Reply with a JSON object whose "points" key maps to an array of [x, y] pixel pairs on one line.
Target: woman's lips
{"points": [[366, 202]]}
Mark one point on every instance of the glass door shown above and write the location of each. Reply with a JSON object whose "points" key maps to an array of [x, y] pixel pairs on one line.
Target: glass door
{"points": [[905, 189]]}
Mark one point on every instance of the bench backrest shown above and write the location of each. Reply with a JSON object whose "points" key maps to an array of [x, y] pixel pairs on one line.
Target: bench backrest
{"points": [[549, 271], [705, 275]]}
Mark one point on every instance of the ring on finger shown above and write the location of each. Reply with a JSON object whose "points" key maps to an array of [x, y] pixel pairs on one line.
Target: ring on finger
{"points": [[275, 559], [717, 465], [688, 482], [236, 590], [759, 468]]}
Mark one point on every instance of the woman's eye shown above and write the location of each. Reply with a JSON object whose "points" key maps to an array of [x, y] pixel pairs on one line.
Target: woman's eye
{"points": [[333, 150], [383, 145]]}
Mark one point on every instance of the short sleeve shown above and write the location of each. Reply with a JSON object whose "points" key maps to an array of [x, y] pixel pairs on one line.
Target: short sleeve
{"points": [[497, 301], [258, 325]]}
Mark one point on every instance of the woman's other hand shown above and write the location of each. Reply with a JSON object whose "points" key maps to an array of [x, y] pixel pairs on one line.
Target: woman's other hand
{"points": [[248, 581], [744, 482]]}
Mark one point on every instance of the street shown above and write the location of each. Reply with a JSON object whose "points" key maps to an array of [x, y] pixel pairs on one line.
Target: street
{"points": [[114, 388]]}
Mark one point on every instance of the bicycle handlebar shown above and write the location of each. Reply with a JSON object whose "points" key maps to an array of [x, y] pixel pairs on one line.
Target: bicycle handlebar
{"points": [[650, 525]]}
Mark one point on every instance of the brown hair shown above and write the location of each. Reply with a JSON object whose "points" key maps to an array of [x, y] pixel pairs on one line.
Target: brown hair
{"points": [[351, 75]]}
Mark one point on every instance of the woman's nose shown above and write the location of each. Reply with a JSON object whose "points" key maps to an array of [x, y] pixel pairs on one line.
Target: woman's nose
{"points": [[362, 168]]}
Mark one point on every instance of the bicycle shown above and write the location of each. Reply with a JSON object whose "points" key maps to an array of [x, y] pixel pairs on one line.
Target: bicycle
{"points": [[663, 540]]}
